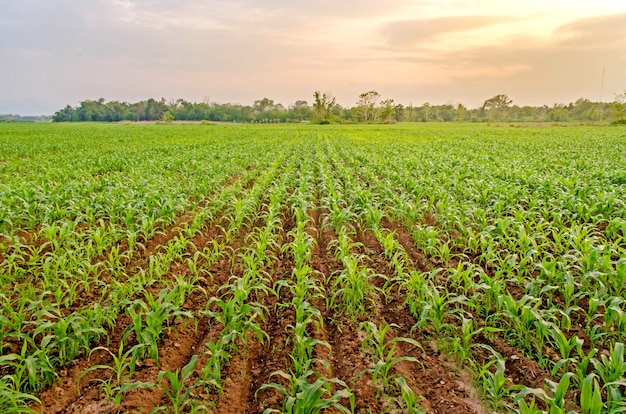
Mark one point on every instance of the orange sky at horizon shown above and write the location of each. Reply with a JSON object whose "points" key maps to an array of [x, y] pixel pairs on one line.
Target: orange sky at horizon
{"points": [[438, 51]]}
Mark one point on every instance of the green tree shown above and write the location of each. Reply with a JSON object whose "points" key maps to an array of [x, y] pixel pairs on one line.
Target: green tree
{"points": [[154, 109], [116, 111], [323, 105], [498, 101], [558, 113], [367, 105], [300, 111], [398, 114], [584, 110], [461, 114], [387, 110], [426, 111], [89, 111], [264, 104], [409, 112], [618, 109], [495, 108], [63, 115]]}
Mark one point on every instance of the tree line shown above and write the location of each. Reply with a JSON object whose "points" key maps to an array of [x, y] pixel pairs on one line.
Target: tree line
{"points": [[369, 108], [6, 118]]}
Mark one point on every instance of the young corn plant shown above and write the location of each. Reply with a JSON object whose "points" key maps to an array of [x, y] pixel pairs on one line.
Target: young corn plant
{"points": [[33, 368], [409, 400], [15, 401], [488, 292], [528, 407], [239, 320], [154, 314], [69, 336], [218, 356], [612, 371], [554, 397], [311, 396], [383, 354], [353, 288], [122, 370], [176, 392], [462, 343], [565, 347], [436, 309], [591, 396], [462, 277], [582, 364], [525, 322], [615, 316], [494, 381], [303, 345], [145, 336]]}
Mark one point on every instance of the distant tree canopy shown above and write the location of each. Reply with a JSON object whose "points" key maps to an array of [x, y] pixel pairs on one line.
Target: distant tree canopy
{"points": [[370, 108], [323, 106], [263, 110], [367, 104], [7, 118], [618, 110], [498, 101], [497, 107]]}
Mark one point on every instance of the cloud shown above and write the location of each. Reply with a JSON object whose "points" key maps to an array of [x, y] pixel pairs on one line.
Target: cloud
{"points": [[420, 31], [563, 67], [248, 15], [532, 69], [576, 45], [595, 32], [66, 51]]}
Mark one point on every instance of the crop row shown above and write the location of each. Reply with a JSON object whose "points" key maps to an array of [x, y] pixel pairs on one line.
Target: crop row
{"points": [[410, 252]]}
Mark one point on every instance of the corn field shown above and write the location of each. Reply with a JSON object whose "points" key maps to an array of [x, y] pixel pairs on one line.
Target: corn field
{"points": [[306, 269]]}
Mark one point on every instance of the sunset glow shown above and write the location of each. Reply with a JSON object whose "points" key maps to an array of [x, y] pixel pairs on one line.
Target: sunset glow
{"points": [[537, 52]]}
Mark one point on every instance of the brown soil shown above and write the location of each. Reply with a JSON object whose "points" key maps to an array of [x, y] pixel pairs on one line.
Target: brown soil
{"points": [[441, 384]]}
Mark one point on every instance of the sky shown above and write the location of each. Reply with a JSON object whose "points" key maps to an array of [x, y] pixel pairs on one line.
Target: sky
{"points": [[59, 52]]}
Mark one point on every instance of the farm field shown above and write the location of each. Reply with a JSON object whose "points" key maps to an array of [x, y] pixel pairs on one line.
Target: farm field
{"points": [[307, 269]]}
